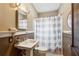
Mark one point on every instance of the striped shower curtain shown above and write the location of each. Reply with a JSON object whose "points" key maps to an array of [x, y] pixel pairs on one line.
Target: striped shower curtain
{"points": [[48, 31]]}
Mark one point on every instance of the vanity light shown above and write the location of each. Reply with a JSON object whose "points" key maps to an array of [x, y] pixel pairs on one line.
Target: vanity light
{"points": [[14, 6]]}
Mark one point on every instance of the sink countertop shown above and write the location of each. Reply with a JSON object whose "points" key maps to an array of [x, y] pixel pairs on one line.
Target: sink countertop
{"points": [[23, 32], [29, 43], [5, 34], [9, 33]]}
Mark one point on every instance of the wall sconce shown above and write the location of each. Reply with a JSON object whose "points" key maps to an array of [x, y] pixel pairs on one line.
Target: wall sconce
{"points": [[14, 6]]}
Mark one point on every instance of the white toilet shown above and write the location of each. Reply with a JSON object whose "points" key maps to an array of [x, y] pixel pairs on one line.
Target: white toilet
{"points": [[40, 51]]}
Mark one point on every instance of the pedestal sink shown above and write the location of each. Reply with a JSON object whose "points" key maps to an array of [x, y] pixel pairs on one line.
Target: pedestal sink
{"points": [[27, 44]]}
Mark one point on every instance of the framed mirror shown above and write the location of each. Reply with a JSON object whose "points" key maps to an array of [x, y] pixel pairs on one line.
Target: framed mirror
{"points": [[69, 21], [21, 20]]}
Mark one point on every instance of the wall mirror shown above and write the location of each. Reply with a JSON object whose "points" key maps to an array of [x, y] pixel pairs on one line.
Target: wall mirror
{"points": [[21, 20], [69, 21]]}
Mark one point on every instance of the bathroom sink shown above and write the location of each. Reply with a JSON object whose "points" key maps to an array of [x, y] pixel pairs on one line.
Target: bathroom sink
{"points": [[29, 43]]}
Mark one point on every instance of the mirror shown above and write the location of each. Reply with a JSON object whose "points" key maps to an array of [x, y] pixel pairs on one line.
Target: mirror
{"points": [[69, 21], [21, 20]]}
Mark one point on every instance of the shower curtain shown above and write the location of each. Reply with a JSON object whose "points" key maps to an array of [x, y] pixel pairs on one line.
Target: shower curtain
{"points": [[48, 31]]}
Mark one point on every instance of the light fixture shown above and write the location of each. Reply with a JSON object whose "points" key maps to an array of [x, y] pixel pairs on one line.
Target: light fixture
{"points": [[14, 5]]}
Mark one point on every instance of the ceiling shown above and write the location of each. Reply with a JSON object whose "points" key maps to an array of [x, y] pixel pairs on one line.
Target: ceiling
{"points": [[46, 7]]}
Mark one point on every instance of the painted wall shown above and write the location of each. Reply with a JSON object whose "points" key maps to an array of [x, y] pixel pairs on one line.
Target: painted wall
{"points": [[64, 12], [7, 17], [30, 17], [46, 14]]}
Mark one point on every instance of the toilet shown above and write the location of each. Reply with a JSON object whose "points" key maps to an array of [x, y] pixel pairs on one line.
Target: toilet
{"points": [[40, 51]]}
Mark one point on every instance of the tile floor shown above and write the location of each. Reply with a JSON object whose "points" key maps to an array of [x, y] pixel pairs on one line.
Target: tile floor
{"points": [[53, 54]]}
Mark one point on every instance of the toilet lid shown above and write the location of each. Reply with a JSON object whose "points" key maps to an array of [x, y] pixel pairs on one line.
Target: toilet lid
{"points": [[41, 48]]}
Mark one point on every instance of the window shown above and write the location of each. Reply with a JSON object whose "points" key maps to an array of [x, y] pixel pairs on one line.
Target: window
{"points": [[22, 21]]}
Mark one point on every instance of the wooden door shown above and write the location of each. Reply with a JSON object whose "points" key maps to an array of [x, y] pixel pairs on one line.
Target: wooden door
{"points": [[75, 29]]}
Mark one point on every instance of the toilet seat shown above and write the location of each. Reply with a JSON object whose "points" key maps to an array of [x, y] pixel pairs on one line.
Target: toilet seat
{"points": [[41, 48]]}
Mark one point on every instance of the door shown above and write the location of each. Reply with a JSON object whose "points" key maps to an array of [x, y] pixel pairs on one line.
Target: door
{"points": [[75, 29]]}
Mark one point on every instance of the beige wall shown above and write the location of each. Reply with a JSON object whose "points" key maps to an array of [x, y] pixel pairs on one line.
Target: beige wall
{"points": [[30, 17], [64, 11], [46, 14], [7, 17]]}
